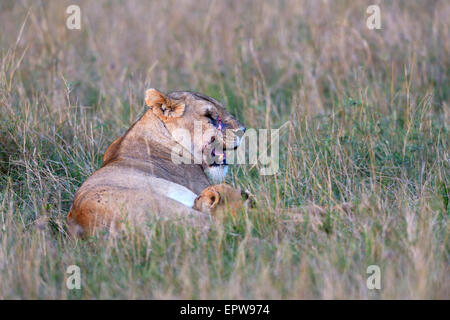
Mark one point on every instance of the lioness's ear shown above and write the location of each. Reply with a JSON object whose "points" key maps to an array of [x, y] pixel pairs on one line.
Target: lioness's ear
{"points": [[163, 106], [154, 98]]}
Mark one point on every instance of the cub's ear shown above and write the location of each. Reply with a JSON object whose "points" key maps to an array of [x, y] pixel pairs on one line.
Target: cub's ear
{"points": [[213, 198], [207, 200], [248, 198], [163, 106]]}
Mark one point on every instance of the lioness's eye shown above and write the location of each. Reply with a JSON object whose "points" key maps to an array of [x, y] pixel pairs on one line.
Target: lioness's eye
{"points": [[210, 117]]}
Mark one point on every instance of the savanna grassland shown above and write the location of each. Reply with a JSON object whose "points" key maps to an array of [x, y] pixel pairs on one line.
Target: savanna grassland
{"points": [[368, 114]]}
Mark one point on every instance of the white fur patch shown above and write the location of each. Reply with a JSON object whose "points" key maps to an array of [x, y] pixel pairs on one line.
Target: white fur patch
{"points": [[181, 194], [173, 191], [216, 174]]}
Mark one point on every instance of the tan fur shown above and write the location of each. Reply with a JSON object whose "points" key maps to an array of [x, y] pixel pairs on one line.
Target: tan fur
{"points": [[138, 177]]}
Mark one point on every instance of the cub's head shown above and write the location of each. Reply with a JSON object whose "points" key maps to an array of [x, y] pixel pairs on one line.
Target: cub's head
{"points": [[207, 129], [220, 198]]}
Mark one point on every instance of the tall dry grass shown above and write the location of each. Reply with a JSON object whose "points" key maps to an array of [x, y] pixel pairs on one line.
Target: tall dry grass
{"points": [[368, 112]]}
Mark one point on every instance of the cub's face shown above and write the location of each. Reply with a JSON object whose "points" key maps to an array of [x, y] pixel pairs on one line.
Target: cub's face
{"points": [[221, 198], [210, 129]]}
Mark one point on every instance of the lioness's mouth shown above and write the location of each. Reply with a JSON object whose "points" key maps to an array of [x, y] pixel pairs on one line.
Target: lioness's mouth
{"points": [[216, 155], [219, 158]]}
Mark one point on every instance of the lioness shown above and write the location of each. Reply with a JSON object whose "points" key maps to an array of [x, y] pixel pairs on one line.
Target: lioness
{"points": [[138, 175]]}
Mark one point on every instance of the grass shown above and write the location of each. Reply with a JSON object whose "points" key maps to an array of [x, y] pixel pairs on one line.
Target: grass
{"points": [[368, 112]]}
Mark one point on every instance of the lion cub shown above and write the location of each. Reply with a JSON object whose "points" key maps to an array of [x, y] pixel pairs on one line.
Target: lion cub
{"points": [[221, 198]]}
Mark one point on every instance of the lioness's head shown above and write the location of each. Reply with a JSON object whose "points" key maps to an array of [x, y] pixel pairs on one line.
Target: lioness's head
{"points": [[190, 110]]}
